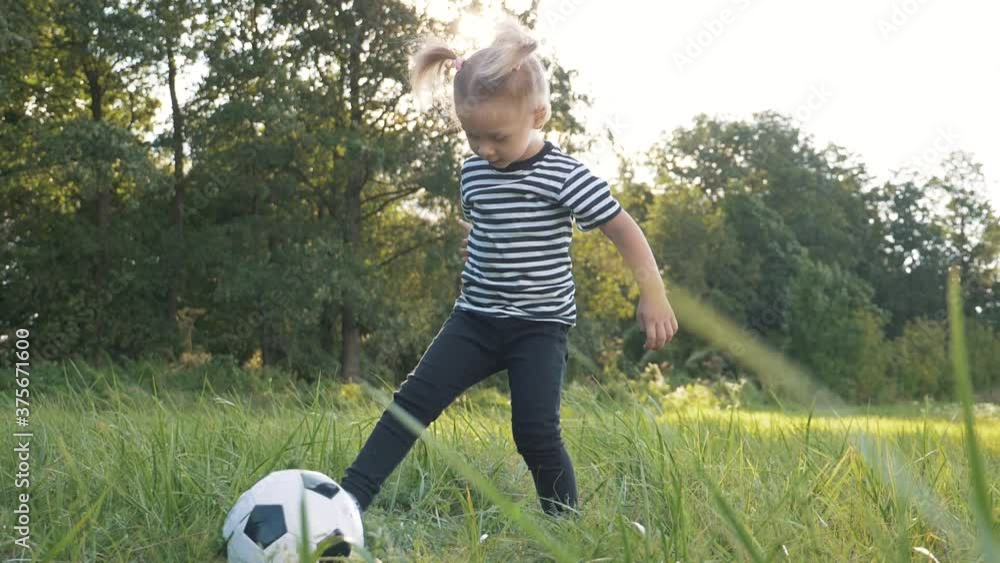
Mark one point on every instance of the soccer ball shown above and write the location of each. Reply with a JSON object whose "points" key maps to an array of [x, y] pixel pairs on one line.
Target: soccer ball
{"points": [[266, 522]]}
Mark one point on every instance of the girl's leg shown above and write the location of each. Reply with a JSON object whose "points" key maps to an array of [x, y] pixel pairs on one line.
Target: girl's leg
{"points": [[536, 364], [465, 351]]}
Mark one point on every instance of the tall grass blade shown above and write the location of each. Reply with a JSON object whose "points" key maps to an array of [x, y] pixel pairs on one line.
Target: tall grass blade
{"points": [[981, 504], [77, 528]]}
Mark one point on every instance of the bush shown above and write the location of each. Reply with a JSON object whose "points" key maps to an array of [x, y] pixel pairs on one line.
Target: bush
{"points": [[984, 359], [919, 359], [674, 389]]}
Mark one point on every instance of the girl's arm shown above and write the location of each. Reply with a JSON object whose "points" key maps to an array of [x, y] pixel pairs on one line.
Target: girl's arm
{"points": [[654, 313]]}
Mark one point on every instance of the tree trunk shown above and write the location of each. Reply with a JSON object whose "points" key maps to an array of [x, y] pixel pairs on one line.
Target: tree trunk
{"points": [[177, 257], [102, 204], [350, 353], [350, 335], [271, 341]]}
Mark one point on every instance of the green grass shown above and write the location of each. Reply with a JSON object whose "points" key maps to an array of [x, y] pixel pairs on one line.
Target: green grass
{"points": [[123, 470], [119, 474]]}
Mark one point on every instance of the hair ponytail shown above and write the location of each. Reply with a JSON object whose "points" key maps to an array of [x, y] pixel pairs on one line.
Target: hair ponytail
{"points": [[511, 47], [427, 73]]}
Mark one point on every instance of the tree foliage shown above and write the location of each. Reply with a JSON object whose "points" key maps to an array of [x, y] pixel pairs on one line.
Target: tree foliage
{"points": [[295, 209]]}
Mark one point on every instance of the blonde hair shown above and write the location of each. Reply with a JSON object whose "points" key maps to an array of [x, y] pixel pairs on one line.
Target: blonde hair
{"points": [[508, 69]]}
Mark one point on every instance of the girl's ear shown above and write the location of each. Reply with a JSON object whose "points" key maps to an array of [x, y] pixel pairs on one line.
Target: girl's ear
{"points": [[539, 118]]}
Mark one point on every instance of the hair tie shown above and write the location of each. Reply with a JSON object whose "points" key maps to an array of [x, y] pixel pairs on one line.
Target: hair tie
{"points": [[459, 61]]}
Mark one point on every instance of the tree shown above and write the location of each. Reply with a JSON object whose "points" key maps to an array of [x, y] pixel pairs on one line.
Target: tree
{"points": [[909, 274], [925, 226], [78, 169], [835, 331], [816, 193], [174, 49], [972, 230]]}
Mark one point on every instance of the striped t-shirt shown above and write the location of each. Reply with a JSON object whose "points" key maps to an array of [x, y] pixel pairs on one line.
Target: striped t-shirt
{"points": [[518, 252]]}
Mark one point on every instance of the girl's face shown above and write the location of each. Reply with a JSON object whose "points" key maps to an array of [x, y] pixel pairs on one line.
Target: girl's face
{"points": [[499, 131]]}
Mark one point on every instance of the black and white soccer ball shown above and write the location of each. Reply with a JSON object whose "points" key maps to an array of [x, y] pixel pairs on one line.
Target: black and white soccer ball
{"points": [[266, 525]]}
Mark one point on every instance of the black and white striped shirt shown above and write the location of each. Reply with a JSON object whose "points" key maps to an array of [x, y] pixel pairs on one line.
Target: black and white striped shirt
{"points": [[522, 215]]}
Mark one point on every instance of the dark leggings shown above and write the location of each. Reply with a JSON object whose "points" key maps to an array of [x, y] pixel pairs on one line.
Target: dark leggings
{"points": [[468, 348]]}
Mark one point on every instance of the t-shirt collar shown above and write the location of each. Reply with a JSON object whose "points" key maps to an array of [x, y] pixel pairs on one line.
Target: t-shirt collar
{"points": [[528, 162]]}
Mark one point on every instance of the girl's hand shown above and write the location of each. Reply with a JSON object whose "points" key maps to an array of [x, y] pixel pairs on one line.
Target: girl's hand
{"points": [[656, 317], [463, 250]]}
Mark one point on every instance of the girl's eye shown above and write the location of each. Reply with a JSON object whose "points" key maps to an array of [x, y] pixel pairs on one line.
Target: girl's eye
{"points": [[499, 139]]}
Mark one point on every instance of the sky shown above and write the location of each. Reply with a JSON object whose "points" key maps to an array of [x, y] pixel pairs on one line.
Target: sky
{"points": [[899, 83]]}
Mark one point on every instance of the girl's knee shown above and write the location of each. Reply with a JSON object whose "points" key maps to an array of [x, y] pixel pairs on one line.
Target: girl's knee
{"points": [[421, 400], [538, 438]]}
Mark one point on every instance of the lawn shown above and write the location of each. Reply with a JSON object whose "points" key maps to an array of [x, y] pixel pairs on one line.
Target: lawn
{"points": [[125, 472]]}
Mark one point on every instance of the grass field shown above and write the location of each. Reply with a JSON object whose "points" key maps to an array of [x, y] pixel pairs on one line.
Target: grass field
{"points": [[143, 465], [123, 473]]}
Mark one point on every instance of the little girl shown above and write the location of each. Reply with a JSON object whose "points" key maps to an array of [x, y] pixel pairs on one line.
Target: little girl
{"points": [[516, 307]]}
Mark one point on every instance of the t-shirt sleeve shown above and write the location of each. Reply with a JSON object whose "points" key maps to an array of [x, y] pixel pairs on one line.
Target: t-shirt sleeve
{"points": [[589, 198]]}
